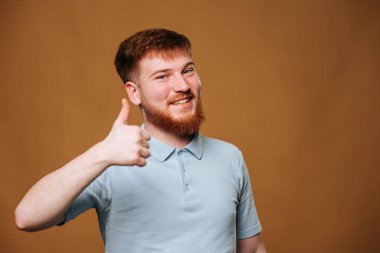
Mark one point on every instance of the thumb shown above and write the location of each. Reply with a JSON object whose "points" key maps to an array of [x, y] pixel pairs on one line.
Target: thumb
{"points": [[124, 113]]}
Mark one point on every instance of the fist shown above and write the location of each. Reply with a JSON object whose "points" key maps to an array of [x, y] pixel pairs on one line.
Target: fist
{"points": [[126, 144]]}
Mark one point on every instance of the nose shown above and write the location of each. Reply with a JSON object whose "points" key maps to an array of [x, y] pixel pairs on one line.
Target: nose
{"points": [[180, 84]]}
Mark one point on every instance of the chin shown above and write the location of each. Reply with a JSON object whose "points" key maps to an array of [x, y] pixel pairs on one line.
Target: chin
{"points": [[182, 116]]}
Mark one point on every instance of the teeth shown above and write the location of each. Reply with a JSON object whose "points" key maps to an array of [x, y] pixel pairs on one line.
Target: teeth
{"points": [[181, 101]]}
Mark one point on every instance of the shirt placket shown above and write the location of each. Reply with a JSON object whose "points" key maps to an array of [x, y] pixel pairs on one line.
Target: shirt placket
{"points": [[188, 187]]}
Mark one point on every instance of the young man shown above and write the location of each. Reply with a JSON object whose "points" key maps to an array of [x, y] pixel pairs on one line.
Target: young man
{"points": [[161, 187]]}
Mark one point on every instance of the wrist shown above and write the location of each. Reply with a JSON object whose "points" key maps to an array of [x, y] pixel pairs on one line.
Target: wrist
{"points": [[99, 155]]}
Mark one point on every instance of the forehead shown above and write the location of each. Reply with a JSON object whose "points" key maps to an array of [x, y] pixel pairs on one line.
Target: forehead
{"points": [[155, 61]]}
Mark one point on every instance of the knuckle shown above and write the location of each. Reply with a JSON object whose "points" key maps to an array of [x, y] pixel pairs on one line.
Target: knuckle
{"points": [[142, 162], [137, 129], [136, 157]]}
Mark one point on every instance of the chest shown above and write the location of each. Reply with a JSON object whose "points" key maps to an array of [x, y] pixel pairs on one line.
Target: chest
{"points": [[175, 194]]}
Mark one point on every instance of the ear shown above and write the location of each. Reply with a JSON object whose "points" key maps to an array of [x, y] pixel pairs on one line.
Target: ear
{"points": [[133, 92]]}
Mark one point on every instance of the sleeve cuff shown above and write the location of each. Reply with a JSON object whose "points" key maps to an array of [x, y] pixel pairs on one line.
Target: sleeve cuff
{"points": [[246, 233]]}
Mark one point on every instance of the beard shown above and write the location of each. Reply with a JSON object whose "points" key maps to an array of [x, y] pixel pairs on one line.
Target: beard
{"points": [[185, 126]]}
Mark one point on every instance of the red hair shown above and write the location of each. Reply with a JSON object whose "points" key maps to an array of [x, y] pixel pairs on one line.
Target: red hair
{"points": [[135, 47]]}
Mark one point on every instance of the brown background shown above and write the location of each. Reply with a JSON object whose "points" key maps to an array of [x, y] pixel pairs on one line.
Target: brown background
{"points": [[294, 84]]}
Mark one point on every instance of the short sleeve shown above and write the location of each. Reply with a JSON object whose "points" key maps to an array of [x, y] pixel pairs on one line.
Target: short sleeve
{"points": [[247, 221], [95, 195]]}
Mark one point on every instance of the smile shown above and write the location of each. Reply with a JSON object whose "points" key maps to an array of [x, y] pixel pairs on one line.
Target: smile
{"points": [[182, 101]]}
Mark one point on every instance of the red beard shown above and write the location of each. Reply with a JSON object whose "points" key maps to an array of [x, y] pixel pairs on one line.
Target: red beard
{"points": [[186, 126]]}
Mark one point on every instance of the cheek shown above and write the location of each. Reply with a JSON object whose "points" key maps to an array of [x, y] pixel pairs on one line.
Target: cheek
{"points": [[196, 85], [195, 81], [157, 94]]}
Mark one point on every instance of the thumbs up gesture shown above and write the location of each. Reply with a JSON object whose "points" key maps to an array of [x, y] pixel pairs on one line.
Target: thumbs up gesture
{"points": [[126, 144]]}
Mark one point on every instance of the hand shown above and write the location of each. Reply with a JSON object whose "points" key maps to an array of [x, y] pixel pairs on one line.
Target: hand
{"points": [[126, 144]]}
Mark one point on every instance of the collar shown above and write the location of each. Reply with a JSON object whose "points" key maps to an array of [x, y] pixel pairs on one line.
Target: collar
{"points": [[162, 151], [196, 146]]}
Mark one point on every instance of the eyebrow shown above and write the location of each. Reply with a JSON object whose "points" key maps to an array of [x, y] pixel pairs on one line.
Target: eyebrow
{"points": [[165, 70]]}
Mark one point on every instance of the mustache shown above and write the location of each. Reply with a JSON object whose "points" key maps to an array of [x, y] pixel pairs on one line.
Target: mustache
{"points": [[186, 95]]}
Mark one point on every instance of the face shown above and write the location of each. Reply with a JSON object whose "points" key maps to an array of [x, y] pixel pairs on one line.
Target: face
{"points": [[169, 93]]}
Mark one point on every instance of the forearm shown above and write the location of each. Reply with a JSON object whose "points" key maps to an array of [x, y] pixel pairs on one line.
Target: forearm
{"points": [[261, 248], [252, 244], [46, 202]]}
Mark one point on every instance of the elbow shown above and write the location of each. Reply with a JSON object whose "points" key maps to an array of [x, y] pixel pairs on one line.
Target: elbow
{"points": [[27, 220], [22, 221]]}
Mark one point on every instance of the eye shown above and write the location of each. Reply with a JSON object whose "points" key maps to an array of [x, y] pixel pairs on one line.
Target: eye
{"points": [[160, 77], [188, 70]]}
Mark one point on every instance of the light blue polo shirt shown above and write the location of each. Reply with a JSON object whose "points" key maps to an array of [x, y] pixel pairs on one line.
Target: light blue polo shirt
{"points": [[194, 199]]}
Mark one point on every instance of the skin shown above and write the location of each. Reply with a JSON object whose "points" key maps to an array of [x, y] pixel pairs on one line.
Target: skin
{"points": [[162, 82], [252, 244], [46, 202]]}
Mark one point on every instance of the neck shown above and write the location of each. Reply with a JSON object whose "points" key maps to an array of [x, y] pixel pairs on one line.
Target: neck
{"points": [[166, 137]]}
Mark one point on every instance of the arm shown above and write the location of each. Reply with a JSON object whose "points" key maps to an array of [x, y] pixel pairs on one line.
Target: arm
{"points": [[252, 244], [46, 202]]}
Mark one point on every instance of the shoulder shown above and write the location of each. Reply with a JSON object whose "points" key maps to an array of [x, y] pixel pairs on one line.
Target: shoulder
{"points": [[219, 146], [217, 143]]}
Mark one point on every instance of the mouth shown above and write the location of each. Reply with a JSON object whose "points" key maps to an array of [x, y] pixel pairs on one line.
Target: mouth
{"points": [[181, 101]]}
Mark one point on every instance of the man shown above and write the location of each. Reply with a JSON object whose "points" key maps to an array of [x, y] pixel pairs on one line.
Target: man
{"points": [[192, 193]]}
